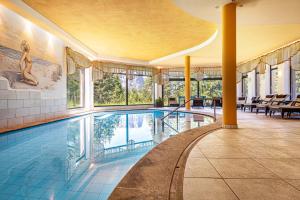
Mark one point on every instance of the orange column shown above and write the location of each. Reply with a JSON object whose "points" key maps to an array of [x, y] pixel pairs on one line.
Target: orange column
{"points": [[187, 78], [229, 65]]}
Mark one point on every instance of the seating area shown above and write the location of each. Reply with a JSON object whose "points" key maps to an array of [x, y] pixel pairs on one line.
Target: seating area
{"points": [[197, 102], [286, 107], [271, 105]]}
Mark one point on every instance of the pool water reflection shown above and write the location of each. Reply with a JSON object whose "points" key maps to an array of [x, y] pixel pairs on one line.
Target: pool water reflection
{"points": [[83, 157]]}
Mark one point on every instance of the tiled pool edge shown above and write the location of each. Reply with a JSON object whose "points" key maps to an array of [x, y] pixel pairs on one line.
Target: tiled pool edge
{"points": [[77, 113], [38, 123], [159, 174]]}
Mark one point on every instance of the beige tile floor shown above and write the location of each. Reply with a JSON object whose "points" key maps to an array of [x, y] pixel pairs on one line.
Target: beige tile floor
{"points": [[260, 160]]}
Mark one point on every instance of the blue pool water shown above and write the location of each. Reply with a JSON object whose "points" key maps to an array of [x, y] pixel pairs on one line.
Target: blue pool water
{"points": [[83, 157]]}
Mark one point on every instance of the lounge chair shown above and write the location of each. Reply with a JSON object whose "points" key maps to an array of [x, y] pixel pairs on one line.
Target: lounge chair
{"points": [[292, 106], [241, 102], [218, 102], [252, 105], [198, 102], [276, 100], [172, 102]]}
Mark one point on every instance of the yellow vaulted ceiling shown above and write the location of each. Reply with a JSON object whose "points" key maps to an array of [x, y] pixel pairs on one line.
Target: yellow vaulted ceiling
{"points": [[135, 29], [252, 41], [262, 26]]}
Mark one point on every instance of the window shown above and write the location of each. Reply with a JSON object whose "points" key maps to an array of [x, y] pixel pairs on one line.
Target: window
{"points": [[116, 89], [140, 90], [261, 88], [257, 83], [211, 88], [175, 88], [274, 80], [75, 85], [111, 90], [208, 88], [195, 88], [295, 83], [245, 85]]}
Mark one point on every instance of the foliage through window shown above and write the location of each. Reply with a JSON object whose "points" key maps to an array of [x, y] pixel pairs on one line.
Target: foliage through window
{"points": [[261, 82], [175, 88], [140, 90], [297, 82], [207, 89], [211, 88], [257, 83], [245, 86], [74, 89], [111, 90], [274, 80]]}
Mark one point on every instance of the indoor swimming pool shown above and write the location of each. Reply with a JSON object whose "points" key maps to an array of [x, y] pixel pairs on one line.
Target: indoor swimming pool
{"points": [[83, 157]]}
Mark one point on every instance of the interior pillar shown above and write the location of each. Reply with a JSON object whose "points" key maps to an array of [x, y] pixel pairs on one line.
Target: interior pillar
{"points": [[187, 81], [229, 65]]}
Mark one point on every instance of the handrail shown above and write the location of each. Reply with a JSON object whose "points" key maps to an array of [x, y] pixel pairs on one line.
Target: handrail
{"points": [[176, 109], [170, 126]]}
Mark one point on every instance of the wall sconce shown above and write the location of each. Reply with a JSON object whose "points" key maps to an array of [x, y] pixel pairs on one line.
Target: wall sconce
{"points": [[28, 28], [50, 40]]}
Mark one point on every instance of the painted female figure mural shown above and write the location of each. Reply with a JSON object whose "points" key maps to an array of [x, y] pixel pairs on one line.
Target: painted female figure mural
{"points": [[26, 65]]}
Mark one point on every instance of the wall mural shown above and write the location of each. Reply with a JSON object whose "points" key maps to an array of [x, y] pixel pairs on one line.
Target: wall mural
{"points": [[25, 72]]}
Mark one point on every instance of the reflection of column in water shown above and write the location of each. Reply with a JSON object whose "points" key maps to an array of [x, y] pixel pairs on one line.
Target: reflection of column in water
{"points": [[187, 122], [130, 120], [158, 126], [130, 145], [82, 138], [140, 120], [89, 133], [157, 122], [198, 118], [127, 129], [158, 132]]}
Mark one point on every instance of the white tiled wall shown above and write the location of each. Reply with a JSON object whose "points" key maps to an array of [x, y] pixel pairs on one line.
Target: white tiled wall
{"points": [[19, 107]]}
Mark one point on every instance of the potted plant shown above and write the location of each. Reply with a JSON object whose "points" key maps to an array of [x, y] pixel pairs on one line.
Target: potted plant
{"points": [[159, 102]]}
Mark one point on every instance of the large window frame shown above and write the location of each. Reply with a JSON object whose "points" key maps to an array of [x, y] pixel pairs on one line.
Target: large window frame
{"points": [[198, 93], [81, 88], [180, 99], [257, 83], [295, 83], [273, 69], [125, 89], [244, 85], [127, 92]]}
